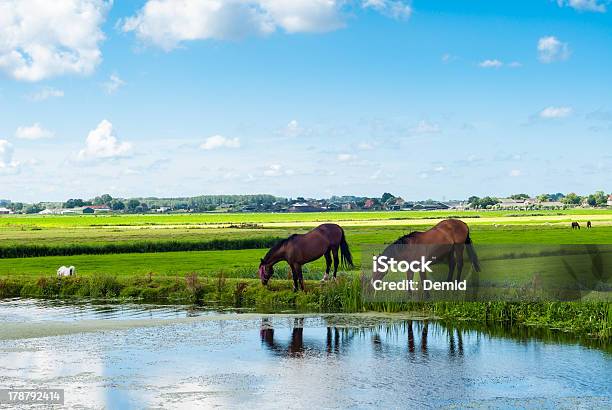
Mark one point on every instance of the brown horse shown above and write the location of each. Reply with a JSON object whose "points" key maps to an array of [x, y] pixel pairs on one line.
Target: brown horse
{"points": [[298, 250], [444, 241]]}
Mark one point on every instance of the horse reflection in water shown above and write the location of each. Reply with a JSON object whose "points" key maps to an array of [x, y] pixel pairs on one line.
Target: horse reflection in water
{"points": [[338, 339], [296, 346]]}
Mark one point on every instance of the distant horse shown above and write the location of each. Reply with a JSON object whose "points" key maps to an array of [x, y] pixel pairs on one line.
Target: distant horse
{"points": [[300, 249], [65, 271], [589, 226], [575, 225], [445, 240]]}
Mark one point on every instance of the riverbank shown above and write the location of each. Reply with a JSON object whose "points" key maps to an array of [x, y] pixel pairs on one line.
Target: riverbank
{"points": [[592, 319]]}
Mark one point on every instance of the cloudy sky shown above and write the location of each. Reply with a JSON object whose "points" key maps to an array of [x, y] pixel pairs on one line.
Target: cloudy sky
{"points": [[437, 98]]}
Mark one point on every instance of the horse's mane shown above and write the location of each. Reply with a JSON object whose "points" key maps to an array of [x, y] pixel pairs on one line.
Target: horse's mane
{"points": [[277, 246], [402, 239]]}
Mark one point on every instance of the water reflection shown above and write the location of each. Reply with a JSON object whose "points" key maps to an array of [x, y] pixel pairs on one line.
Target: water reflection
{"points": [[298, 361], [338, 339]]}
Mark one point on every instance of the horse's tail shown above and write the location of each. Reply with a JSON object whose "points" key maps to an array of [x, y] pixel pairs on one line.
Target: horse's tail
{"points": [[345, 253], [472, 253]]}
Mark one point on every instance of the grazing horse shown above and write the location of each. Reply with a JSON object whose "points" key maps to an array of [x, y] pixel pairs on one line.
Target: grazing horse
{"points": [[575, 225], [445, 240], [589, 226], [300, 249], [65, 271]]}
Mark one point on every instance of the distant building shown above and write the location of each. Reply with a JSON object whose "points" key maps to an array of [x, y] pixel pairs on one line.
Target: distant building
{"points": [[304, 207], [429, 206], [369, 204], [509, 203], [551, 204], [609, 200], [348, 206], [163, 209], [5, 211], [50, 211]]}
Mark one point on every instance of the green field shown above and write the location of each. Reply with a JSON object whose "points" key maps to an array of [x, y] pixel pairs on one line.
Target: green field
{"points": [[52, 235], [113, 260]]}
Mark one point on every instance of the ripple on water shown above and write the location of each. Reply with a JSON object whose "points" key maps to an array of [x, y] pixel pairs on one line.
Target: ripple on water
{"points": [[330, 361]]}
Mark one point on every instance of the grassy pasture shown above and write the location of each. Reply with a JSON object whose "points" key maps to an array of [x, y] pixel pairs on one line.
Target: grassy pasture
{"points": [[228, 276], [75, 221]]}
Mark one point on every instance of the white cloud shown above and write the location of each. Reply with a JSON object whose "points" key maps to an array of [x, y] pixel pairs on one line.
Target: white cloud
{"points": [[41, 39], [33, 132], [550, 49], [426, 127], [113, 84], [391, 8], [515, 173], [46, 93], [293, 129], [168, 23], [276, 170], [7, 165], [365, 146], [219, 141], [490, 64], [515, 64], [344, 157], [439, 168], [584, 5], [448, 58], [101, 143], [555, 112]]}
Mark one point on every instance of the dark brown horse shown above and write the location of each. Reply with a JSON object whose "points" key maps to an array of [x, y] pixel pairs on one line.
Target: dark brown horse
{"points": [[298, 250], [575, 225], [445, 241]]}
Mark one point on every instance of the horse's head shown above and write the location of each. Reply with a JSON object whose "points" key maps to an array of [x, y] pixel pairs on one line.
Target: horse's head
{"points": [[265, 272]]}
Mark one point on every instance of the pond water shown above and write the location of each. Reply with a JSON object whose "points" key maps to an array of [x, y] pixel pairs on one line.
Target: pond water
{"points": [[136, 356]]}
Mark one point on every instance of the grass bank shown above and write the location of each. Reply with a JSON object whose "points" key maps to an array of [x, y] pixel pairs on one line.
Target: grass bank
{"points": [[593, 319], [29, 250]]}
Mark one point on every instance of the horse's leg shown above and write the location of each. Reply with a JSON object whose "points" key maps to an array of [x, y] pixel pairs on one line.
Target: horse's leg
{"points": [[451, 264], [336, 261], [300, 277], [459, 259], [328, 262], [294, 275]]}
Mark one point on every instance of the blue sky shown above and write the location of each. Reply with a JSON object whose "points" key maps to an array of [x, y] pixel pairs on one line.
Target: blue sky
{"points": [[425, 99]]}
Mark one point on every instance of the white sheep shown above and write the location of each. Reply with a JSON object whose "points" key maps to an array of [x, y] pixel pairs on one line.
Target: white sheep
{"points": [[65, 271]]}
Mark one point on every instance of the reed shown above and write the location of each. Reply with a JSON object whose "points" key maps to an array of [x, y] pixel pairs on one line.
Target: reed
{"points": [[593, 319]]}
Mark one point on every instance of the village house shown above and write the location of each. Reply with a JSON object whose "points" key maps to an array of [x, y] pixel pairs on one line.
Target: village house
{"points": [[609, 203], [5, 211]]}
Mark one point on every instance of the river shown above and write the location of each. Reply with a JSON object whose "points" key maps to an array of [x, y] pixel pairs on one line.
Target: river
{"points": [[146, 356]]}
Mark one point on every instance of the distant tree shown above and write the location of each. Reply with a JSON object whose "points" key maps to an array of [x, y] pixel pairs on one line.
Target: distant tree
{"points": [[519, 196], [117, 205], [105, 199], [386, 196], [34, 209], [600, 198], [73, 203], [572, 199], [556, 197], [133, 204], [474, 201], [591, 200], [543, 197], [16, 206], [487, 202]]}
